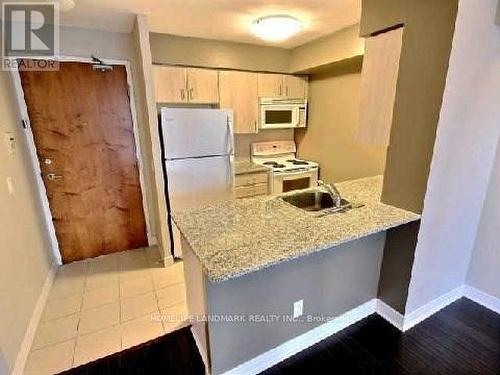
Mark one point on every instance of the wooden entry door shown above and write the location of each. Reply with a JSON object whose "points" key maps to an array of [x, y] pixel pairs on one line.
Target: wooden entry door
{"points": [[83, 132]]}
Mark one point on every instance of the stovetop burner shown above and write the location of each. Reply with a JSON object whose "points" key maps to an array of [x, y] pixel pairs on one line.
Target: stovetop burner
{"points": [[274, 164], [298, 162]]}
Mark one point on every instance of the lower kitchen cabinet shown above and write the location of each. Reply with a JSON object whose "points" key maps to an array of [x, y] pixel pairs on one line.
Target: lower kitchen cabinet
{"points": [[251, 184]]}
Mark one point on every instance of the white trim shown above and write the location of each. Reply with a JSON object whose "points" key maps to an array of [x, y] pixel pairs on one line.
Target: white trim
{"points": [[405, 322], [299, 343], [482, 298], [36, 164], [391, 315], [138, 152], [24, 351], [422, 313]]}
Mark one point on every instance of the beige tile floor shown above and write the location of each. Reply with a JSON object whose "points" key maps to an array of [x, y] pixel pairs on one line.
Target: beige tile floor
{"points": [[103, 305]]}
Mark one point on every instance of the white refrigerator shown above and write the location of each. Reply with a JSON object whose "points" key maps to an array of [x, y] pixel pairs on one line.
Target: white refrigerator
{"points": [[198, 153]]}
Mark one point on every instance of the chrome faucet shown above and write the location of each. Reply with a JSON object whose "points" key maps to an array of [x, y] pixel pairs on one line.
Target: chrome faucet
{"points": [[333, 191]]}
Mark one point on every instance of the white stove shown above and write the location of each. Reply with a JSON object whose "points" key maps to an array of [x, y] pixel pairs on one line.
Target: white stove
{"points": [[288, 172]]}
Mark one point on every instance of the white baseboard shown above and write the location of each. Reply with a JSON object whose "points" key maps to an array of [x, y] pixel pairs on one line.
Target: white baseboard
{"points": [[392, 316], [424, 312], [405, 322], [484, 299], [297, 344], [24, 351]]}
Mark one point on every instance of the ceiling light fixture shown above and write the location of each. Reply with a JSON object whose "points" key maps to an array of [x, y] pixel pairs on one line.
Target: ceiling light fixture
{"points": [[275, 28]]}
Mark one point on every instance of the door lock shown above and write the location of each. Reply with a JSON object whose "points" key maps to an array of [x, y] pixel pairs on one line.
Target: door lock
{"points": [[53, 176]]}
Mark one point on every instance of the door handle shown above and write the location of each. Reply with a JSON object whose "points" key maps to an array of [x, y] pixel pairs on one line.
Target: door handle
{"points": [[191, 94], [53, 176], [182, 94]]}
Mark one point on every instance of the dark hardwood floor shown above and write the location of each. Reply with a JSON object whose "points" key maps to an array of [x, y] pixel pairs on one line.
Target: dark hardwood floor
{"points": [[464, 338]]}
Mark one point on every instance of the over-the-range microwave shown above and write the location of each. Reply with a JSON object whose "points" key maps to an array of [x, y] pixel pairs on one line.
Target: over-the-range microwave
{"points": [[280, 113]]}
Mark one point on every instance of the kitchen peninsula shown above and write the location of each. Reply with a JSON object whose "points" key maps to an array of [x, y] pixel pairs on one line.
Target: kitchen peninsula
{"points": [[260, 255]]}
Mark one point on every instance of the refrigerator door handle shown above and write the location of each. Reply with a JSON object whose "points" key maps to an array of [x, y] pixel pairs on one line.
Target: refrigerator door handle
{"points": [[230, 136], [231, 178]]}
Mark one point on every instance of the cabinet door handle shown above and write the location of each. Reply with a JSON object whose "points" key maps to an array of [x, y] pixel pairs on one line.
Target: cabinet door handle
{"points": [[191, 93], [182, 94], [281, 90], [287, 91], [256, 127]]}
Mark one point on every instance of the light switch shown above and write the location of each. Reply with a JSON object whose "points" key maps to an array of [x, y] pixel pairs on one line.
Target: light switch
{"points": [[10, 142], [10, 184]]}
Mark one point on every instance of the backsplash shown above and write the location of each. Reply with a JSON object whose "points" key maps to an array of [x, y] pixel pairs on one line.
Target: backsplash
{"points": [[242, 142]]}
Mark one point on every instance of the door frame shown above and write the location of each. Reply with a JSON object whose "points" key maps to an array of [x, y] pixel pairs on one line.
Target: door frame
{"points": [[37, 172]]}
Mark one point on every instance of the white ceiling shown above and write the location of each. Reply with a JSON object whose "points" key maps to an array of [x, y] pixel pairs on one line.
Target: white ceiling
{"points": [[215, 19]]}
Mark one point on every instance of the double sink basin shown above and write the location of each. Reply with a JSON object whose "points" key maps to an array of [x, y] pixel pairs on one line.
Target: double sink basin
{"points": [[317, 201]]}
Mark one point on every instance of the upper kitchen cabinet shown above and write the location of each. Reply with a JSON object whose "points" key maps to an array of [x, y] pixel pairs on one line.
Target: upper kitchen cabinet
{"points": [[273, 85], [295, 86], [378, 87], [186, 85], [170, 84], [270, 85], [238, 90], [202, 85]]}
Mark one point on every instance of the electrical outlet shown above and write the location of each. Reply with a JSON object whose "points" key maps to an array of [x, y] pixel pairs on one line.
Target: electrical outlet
{"points": [[298, 308]]}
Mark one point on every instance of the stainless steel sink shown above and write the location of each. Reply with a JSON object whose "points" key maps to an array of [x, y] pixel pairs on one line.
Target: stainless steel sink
{"points": [[315, 201]]}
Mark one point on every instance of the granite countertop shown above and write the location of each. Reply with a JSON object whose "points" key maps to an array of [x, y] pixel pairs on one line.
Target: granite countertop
{"points": [[245, 166], [237, 237]]}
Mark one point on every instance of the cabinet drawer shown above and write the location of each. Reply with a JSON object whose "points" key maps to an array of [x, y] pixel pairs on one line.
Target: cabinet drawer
{"points": [[251, 190], [250, 179]]}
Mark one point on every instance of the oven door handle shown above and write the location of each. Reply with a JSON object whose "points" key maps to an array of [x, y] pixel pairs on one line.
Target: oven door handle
{"points": [[285, 174]]}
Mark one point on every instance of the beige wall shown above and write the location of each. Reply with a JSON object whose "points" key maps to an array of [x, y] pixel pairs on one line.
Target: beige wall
{"points": [[341, 45], [242, 142], [25, 256], [331, 135], [171, 49]]}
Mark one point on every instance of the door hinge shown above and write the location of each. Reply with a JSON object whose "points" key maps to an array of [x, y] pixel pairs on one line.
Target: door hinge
{"points": [[24, 124], [128, 91]]}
